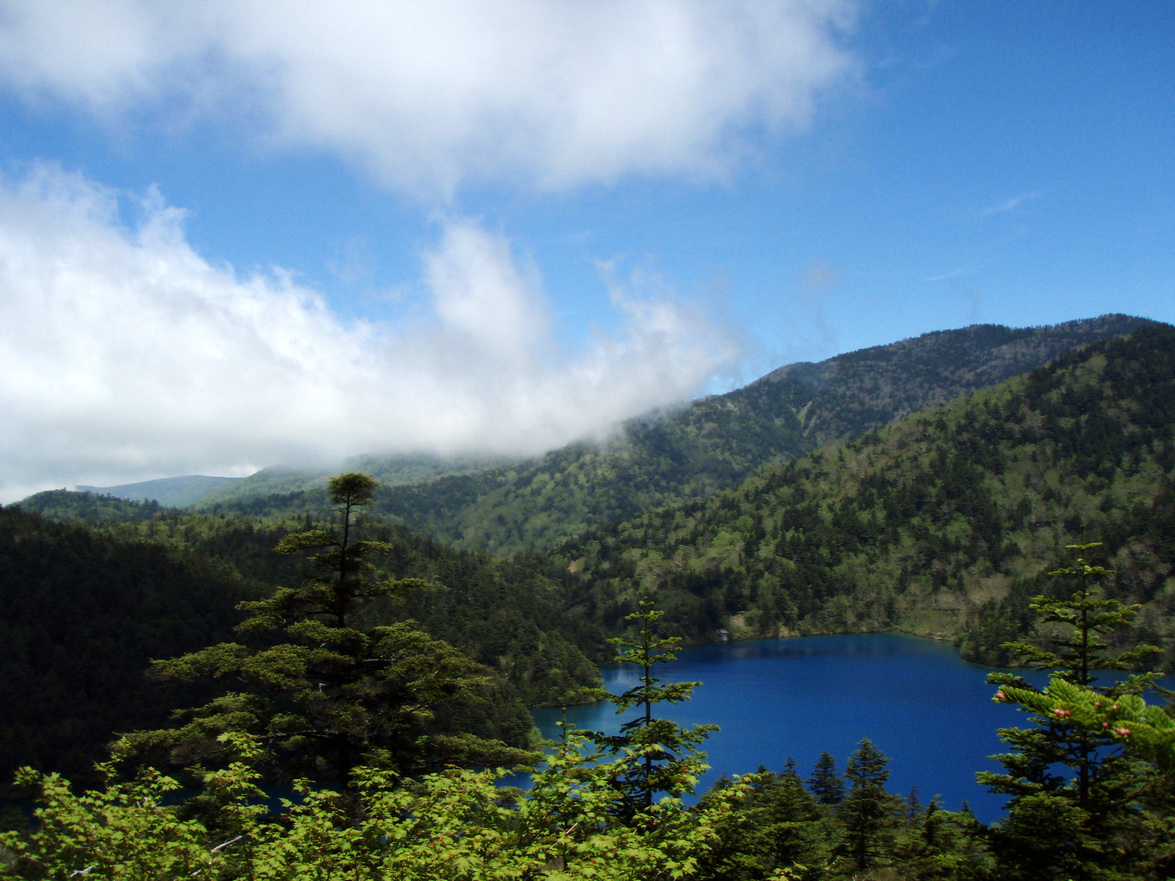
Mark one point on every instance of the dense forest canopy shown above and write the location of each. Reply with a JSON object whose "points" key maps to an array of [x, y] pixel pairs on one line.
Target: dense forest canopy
{"points": [[81, 615]]}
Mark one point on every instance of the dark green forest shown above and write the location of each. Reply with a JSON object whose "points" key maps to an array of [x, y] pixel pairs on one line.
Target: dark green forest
{"points": [[81, 615], [934, 487], [85, 607]]}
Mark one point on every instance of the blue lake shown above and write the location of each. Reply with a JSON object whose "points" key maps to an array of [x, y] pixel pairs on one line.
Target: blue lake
{"points": [[924, 707]]}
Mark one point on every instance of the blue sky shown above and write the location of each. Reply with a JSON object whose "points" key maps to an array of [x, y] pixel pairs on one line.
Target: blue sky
{"points": [[236, 234]]}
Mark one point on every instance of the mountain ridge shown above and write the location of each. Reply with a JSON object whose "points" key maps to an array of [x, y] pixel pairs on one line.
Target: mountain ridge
{"points": [[944, 524], [171, 492], [714, 443]]}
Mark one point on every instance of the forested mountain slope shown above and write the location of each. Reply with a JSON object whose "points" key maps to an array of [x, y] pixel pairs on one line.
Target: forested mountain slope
{"points": [[81, 614], [710, 445], [940, 525], [171, 492], [844, 397], [388, 470], [84, 608]]}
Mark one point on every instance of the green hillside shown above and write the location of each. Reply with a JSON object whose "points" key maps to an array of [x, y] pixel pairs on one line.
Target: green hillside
{"points": [[171, 492], [940, 525], [81, 614], [388, 470], [64, 505]]}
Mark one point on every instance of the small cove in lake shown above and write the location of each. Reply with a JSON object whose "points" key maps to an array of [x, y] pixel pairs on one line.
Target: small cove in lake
{"points": [[928, 710]]}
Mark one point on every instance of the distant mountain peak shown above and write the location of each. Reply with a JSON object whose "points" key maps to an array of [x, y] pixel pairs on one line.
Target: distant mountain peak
{"points": [[171, 492]]}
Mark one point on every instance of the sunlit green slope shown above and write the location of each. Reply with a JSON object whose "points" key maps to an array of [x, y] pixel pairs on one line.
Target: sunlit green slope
{"points": [[940, 525]]}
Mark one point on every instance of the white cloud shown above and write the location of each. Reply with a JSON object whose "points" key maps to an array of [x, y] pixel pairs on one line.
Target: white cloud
{"points": [[432, 95], [125, 355], [485, 302]]}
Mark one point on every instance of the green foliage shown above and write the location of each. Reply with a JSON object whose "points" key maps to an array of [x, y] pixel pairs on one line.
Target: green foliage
{"points": [[126, 831], [451, 825], [1090, 782], [457, 824]]}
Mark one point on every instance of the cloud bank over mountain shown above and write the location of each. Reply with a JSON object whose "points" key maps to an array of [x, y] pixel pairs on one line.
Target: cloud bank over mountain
{"points": [[125, 353]]}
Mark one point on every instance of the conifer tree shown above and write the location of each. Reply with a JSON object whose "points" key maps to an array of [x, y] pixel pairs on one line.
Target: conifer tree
{"points": [[321, 692], [1084, 619], [1073, 786], [825, 783], [776, 829], [868, 813], [650, 754], [799, 828]]}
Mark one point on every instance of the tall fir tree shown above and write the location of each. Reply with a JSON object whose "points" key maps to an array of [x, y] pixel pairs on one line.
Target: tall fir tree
{"points": [[825, 783], [321, 692], [651, 754], [869, 814], [800, 832], [1073, 786]]}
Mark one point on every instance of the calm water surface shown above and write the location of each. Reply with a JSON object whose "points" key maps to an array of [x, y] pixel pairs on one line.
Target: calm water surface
{"points": [[925, 708]]}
